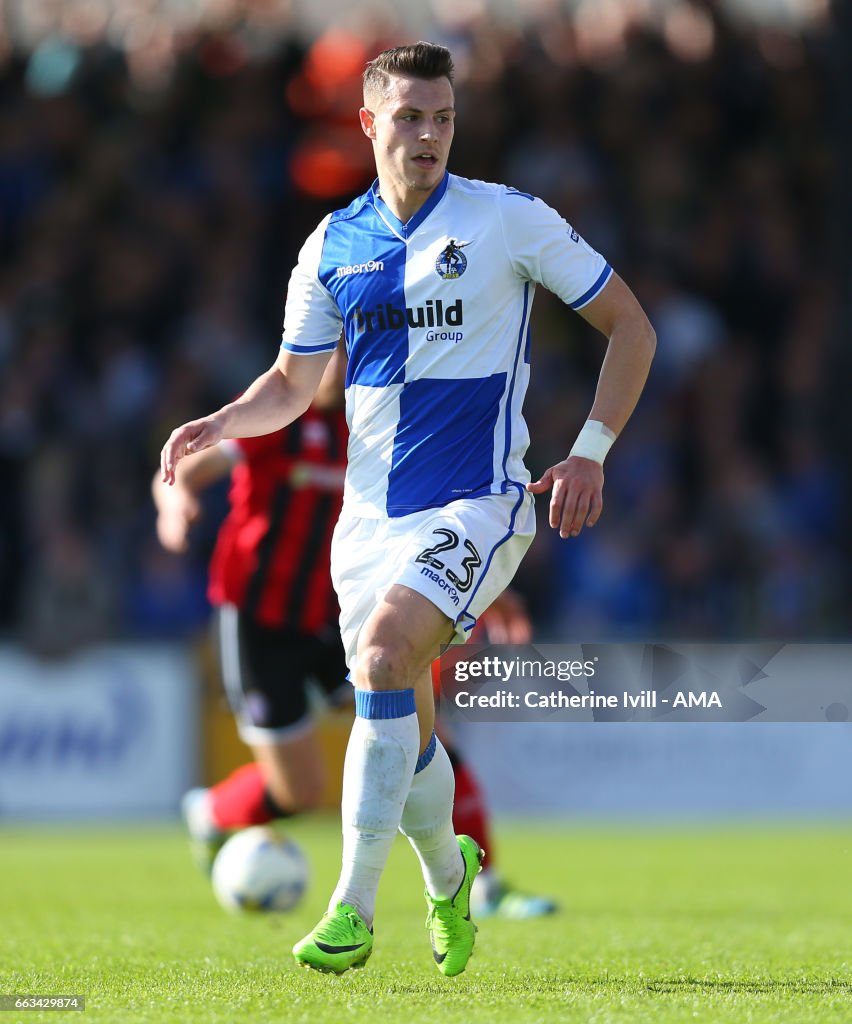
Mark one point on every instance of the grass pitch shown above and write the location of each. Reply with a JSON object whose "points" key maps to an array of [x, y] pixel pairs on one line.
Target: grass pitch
{"points": [[711, 925]]}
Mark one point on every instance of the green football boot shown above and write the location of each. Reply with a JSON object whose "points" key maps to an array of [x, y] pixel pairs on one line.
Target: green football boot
{"points": [[451, 929], [341, 940]]}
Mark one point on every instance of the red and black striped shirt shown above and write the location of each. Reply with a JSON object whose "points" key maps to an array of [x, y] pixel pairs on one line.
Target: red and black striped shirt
{"points": [[273, 550]]}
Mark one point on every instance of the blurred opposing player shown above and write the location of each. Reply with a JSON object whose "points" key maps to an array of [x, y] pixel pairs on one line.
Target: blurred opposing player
{"points": [[431, 276], [276, 625], [276, 618]]}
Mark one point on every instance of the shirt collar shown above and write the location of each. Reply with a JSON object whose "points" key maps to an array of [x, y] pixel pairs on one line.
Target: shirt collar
{"points": [[411, 225]]}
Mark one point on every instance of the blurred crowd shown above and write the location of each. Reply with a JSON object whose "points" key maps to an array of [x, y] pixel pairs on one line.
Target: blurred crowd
{"points": [[149, 224]]}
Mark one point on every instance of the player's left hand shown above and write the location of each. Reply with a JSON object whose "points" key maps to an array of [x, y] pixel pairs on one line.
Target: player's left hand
{"points": [[577, 498]]}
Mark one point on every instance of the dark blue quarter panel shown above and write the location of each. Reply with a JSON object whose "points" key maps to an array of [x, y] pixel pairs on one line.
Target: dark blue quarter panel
{"points": [[444, 446]]}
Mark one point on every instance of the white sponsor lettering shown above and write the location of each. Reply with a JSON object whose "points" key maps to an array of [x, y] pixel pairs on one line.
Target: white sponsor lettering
{"points": [[370, 267]]}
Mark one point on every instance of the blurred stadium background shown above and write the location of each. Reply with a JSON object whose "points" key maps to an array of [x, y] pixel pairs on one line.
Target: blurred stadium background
{"points": [[161, 162]]}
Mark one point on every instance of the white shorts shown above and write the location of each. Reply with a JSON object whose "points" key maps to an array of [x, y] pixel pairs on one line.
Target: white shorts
{"points": [[460, 557]]}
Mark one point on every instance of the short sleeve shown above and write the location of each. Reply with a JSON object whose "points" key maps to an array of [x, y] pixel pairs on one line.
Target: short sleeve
{"points": [[544, 248], [312, 321]]}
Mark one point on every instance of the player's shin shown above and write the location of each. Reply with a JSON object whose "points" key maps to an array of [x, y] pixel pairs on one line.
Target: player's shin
{"points": [[379, 765], [427, 822]]}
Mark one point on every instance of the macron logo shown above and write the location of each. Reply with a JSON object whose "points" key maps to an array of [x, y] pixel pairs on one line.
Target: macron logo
{"points": [[370, 267]]}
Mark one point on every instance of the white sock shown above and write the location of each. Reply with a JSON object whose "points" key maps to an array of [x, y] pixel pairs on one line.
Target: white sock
{"points": [[427, 822], [377, 773]]}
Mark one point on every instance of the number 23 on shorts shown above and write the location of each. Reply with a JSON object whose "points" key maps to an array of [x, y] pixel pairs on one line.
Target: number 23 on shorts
{"points": [[449, 541]]}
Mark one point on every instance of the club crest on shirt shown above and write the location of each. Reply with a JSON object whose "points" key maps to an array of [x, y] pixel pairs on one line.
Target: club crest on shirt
{"points": [[451, 262]]}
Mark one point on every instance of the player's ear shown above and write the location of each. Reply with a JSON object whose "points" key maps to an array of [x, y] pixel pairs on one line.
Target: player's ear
{"points": [[368, 122]]}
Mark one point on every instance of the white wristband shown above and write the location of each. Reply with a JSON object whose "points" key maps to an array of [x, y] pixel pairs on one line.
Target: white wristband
{"points": [[593, 442]]}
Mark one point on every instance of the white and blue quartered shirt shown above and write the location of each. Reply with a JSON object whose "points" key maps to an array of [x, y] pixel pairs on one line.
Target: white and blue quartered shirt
{"points": [[435, 314]]}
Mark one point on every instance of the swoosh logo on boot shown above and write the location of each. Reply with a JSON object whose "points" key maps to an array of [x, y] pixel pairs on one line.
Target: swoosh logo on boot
{"points": [[338, 949]]}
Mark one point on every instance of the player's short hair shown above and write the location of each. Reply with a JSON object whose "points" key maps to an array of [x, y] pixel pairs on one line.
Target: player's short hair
{"points": [[419, 60]]}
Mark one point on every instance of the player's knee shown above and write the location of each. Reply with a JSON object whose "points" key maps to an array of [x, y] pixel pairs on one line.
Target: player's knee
{"points": [[385, 665]]}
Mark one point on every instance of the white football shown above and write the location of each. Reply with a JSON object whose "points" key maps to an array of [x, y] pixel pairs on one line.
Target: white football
{"points": [[259, 869]]}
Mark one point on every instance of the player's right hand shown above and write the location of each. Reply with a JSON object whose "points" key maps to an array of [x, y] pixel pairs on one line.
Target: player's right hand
{"points": [[577, 498], [192, 437]]}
